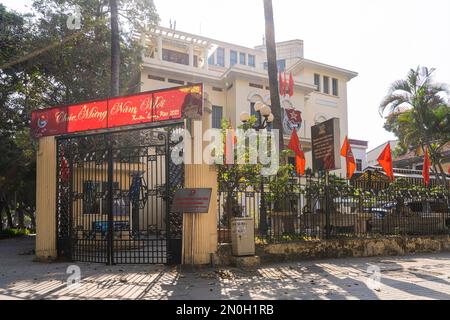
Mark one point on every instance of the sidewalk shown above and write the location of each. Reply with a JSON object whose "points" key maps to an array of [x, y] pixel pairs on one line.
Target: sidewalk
{"points": [[425, 276]]}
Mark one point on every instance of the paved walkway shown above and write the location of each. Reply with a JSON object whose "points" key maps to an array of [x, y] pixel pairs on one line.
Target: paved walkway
{"points": [[412, 277]]}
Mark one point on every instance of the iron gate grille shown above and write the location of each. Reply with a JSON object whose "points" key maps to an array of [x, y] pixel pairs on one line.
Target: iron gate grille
{"points": [[114, 193]]}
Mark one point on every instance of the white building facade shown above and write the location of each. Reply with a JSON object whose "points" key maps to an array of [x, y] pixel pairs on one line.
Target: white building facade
{"points": [[236, 77], [373, 154], [359, 149]]}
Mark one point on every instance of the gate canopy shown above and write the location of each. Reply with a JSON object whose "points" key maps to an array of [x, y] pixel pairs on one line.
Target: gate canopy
{"points": [[145, 107]]}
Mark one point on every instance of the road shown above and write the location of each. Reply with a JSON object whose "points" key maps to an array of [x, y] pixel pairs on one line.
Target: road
{"points": [[424, 276]]}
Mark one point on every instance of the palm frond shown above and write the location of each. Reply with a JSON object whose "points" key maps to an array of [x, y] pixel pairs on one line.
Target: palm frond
{"points": [[400, 85], [393, 101]]}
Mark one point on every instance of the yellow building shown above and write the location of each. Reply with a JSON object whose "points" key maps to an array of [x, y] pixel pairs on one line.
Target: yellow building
{"points": [[235, 77]]}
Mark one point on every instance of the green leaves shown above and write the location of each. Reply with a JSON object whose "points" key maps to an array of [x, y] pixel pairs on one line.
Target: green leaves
{"points": [[44, 63], [418, 113]]}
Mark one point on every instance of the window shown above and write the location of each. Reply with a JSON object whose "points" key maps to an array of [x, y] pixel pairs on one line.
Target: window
{"points": [[254, 113], [211, 59], [242, 58], [317, 81], [91, 203], [358, 165], [175, 81], [233, 58], [195, 61], [157, 78], [95, 199], [281, 65], [335, 87], [326, 84], [251, 60], [217, 114], [255, 85], [221, 57], [175, 56]]}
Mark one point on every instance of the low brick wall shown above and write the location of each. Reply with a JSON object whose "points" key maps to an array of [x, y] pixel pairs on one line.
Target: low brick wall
{"points": [[386, 246]]}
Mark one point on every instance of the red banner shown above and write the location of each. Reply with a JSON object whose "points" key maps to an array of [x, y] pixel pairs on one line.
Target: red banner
{"points": [[152, 106]]}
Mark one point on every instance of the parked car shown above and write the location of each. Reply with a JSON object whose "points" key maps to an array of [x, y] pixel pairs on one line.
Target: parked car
{"points": [[381, 210], [424, 208], [429, 208]]}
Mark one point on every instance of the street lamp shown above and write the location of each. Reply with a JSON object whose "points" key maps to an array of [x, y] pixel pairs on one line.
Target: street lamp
{"points": [[265, 113]]}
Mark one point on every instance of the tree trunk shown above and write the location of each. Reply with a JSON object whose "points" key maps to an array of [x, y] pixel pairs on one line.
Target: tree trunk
{"points": [[1, 215], [442, 174], [115, 49], [9, 216], [32, 215], [20, 217], [273, 71], [437, 175], [438, 170]]}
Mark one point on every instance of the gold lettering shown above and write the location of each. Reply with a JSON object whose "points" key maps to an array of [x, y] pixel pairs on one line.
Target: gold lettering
{"points": [[121, 107]]}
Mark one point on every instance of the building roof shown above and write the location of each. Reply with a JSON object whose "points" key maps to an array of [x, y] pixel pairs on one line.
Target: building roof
{"points": [[412, 156], [306, 62], [358, 142], [382, 145]]}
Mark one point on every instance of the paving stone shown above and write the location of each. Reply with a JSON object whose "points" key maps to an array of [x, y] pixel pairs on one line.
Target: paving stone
{"points": [[424, 276]]}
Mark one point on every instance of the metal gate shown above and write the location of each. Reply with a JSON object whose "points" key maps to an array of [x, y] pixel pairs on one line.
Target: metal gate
{"points": [[114, 193]]}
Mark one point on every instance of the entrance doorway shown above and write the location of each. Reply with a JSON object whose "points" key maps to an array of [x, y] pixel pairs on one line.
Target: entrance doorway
{"points": [[114, 193]]}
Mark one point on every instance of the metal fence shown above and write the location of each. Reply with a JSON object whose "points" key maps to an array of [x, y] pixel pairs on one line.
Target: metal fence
{"points": [[322, 207]]}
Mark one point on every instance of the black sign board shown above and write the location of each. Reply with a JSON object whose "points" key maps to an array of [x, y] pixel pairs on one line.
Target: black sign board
{"points": [[192, 200], [325, 140]]}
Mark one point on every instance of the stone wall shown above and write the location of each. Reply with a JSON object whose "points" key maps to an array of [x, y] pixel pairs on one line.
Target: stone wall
{"points": [[341, 248]]}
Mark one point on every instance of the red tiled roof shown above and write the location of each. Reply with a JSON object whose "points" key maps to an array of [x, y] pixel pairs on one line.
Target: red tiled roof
{"points": [[413, 154]]}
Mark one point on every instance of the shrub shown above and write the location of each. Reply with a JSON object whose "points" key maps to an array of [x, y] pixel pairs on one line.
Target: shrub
{"points": [[15, 232]]}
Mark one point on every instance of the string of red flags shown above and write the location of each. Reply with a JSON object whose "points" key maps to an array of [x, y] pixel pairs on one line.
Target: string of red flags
{"points": [[294, 145], [426, 167], [291, 85], [284, 86], [385, 160], [346, 151]]}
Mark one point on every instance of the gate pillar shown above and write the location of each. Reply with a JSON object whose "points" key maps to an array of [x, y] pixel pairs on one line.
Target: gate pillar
{"points": [[204, 238], [46, 199]]}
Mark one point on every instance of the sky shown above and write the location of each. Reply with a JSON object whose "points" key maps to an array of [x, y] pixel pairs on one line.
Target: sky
{"points": [[381, 40]]}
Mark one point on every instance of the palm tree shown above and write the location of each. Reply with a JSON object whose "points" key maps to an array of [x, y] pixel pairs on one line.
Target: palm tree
{"points": [[115, 49], [273, 71], [418, 114]]}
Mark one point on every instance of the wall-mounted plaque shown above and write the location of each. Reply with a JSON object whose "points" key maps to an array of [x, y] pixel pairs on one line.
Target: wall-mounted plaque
{"points": [[192, 200], [325, 140]]}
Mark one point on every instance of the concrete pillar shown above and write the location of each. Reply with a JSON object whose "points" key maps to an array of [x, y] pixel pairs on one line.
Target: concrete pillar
{"points": [[191, 55], [205, 57], [204, 240], [226, 57], [46, 199], [143, 44], [160, 45]]}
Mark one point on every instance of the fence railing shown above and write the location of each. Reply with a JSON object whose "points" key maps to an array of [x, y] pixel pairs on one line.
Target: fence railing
{"points": [[314, 208]]}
